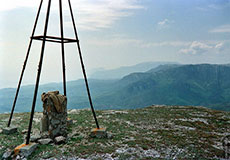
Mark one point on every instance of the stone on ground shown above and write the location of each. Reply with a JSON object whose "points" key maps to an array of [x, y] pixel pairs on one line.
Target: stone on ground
{"points": [[98, 133], [35, 137], [60, 139], [226, 146], [7, 155], [109, 136], [24, 131], [26, 150], [45, 141], [9, 130]]}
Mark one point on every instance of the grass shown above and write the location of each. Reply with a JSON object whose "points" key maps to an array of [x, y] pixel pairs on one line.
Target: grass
{"points": [[162, 131]]}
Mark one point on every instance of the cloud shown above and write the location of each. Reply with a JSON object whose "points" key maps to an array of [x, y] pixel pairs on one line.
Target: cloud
{"points": [[209, 7], [197, 47], [218, 5], [164, 23], [215, 6], [101, 14], [166, 43], [89, 15], [219, 45], [115, 40], [221, 29], [12, 4], [185, 47]]}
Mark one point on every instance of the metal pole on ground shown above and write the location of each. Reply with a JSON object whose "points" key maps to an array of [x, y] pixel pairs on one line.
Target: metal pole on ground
{"points": [[38, 74], [82, 65], [24, 65]]}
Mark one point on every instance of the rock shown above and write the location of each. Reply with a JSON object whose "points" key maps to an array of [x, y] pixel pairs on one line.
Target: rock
{"points": [[98, 133], [109, 136], [9, 130], [69, 122], [57, 100], [55, 132], [48, 155], [35, 137], [60, 139], [73, 111], [24, 131], [55, 121], [18, 157], [27, 150], [44, 124], [7, 155], [44, 135], [45, 141], [226, 146], [54, 114], [73, 133]]}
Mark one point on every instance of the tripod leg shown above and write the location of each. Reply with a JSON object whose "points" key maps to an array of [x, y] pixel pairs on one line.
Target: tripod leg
{"points": [[62, 47], [82, 65], [38, 74], [24, 65]]}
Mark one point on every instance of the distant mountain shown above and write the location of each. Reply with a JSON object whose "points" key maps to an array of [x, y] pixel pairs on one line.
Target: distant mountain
{"points": [[203, 84], [76, 94], [123, 71], [171, 84]]}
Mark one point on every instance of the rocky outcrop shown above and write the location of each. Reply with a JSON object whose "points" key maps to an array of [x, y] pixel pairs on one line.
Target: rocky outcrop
{"points": [[54, 118]]}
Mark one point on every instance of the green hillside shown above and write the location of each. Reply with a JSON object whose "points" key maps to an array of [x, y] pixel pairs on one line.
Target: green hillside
{"points": [[198, 85], [205, 84]]}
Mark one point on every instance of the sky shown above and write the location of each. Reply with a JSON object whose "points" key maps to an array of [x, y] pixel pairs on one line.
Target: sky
{"points": [[113, 33]]}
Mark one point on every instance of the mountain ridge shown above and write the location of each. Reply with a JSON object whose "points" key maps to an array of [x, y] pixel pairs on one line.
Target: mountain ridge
{"points": [[120, 72], [171, 84]]}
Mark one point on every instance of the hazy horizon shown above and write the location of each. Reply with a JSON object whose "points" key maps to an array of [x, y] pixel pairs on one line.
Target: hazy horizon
{"points": [[114, 34], [93, 71]]}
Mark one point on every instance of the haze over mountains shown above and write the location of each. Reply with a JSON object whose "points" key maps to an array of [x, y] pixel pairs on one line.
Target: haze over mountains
{"points": [[158, 83], [118, 73]]}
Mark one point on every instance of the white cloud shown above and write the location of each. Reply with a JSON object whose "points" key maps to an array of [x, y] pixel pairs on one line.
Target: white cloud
{"points": [[219, 45], [12, 4], [166, 43], [164, 23], [90, 15], [221, 29], [214, 6], [219, 5], [115, 40], [202, 47], [103, 13]]}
